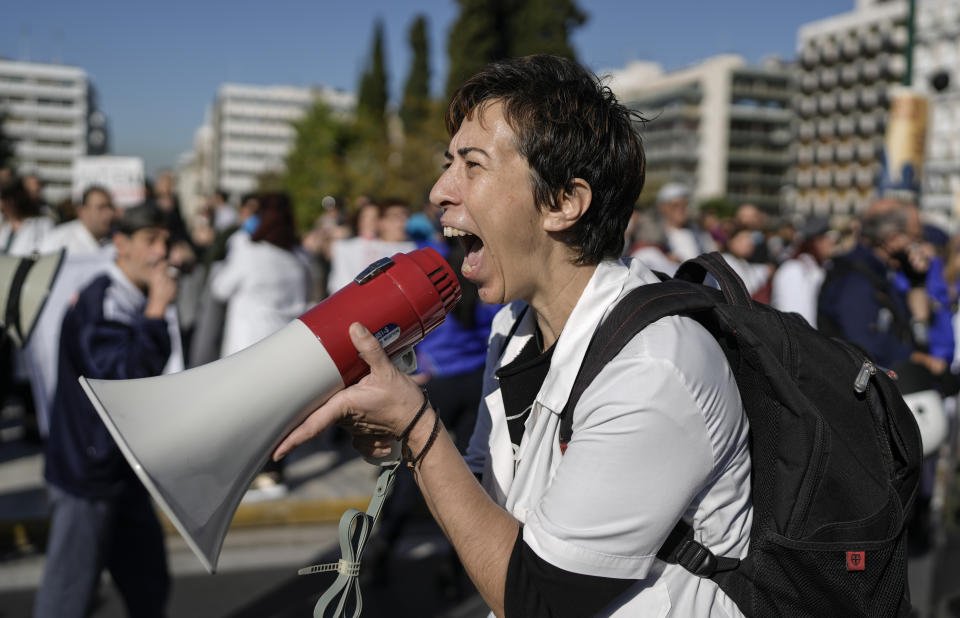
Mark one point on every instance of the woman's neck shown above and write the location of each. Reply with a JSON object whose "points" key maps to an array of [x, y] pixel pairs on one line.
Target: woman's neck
{"points": [[561, 292]]}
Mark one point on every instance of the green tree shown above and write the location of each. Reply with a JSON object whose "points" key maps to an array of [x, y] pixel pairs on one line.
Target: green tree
{"points": [[488, 30], [544, 27], [416, 92], [373, 94], [6, 149], [476, 38], [316, 165], [415, 164]]}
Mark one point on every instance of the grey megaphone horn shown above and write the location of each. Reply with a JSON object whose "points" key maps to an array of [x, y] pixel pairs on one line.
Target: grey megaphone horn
{"points": [[25, 283], [197, 438]]}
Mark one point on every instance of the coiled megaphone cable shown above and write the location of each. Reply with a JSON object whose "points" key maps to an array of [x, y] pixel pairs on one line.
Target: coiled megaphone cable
{"points": [[354, 530]]}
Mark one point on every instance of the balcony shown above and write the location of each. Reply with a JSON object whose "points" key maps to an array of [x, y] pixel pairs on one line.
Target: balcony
{"points": [[32, 110], [268, 130], [759, 156], [33, 90], [260, 149], [763, 114], [27, 150]]}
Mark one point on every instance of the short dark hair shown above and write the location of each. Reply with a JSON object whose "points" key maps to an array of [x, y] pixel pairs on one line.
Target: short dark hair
{"points": [[276, 225], [568, 125], [94, 189], [223, 195], [140, 217], [16, 193], [391, 202], [246, 197], [877, 227]]}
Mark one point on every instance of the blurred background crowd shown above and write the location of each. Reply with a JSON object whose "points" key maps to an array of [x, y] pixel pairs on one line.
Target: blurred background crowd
{"points": [[829, 181]]}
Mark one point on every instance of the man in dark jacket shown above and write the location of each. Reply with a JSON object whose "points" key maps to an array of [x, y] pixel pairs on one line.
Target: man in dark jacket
{"points": [[121, 326], [861, 300]]}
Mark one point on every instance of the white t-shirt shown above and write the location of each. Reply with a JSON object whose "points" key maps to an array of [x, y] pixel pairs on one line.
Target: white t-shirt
{"points": [[659, 435], [350, 256], [796, 287]]}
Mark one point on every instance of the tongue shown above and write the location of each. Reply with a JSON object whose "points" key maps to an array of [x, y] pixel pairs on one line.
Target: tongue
{"points": [[474, 255]]}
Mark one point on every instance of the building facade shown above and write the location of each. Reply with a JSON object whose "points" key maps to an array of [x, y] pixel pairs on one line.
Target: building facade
{"points": [[936, 73], [50, 117], [721, 127], [253, 129], [847, 65]]}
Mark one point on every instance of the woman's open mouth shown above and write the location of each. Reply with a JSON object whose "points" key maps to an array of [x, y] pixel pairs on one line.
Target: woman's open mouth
{"points": [[472, 246]]}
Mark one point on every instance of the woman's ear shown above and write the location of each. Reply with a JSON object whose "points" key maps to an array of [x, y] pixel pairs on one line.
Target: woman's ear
{"points": [[572, 205]]}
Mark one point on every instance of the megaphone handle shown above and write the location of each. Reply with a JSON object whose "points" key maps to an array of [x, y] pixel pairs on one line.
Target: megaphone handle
{"points": [[355, 527]]}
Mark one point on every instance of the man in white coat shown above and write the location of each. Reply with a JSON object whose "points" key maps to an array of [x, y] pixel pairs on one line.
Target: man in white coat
{"points": [[89, 231], [542, 172]]}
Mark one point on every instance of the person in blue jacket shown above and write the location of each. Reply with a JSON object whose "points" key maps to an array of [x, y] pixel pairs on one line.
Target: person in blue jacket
{"points": [[121, 326], [875, 296]]}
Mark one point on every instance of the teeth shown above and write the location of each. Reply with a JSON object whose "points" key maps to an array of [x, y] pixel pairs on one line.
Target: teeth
{"points": [[452, 231]]}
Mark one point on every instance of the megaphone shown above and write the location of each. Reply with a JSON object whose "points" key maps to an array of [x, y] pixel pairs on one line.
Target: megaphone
{"points": [[196, 439], [25, 283], [919, 389]]}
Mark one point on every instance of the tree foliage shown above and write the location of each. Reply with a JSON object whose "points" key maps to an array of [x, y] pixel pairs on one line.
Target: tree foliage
{"points": [[373, 94], [317, 165], [6, 149], [544, 27], [416, 92], [477, 37], [349, 156], [488, 30]]}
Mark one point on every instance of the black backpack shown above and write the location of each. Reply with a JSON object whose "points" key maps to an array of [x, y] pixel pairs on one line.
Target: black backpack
{"points": [[835, 453]]}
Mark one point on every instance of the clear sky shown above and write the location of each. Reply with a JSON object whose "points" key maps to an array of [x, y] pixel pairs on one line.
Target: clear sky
{"points": [[157, 66]]}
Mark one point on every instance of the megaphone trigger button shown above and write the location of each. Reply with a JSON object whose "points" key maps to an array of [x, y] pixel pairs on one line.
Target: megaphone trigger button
{"points": [[373, 270]]}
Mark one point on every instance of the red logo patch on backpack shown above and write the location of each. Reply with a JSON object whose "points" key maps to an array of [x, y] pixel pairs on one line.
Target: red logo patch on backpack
{"points": [[856, 560]]}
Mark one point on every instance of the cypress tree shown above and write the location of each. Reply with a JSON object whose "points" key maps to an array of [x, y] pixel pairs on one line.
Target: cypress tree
{"points": [[477, 37], [6, 149], [416, 92], [372, 97], [488, 30], [544, 27]]}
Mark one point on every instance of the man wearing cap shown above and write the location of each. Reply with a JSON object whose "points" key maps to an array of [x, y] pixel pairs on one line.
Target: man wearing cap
{"points": [[121, 326], [796, 284], [683, 240]]}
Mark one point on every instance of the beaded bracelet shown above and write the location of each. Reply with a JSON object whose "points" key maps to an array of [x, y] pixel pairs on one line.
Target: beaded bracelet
{"points": [[406, 432], [412, 462]]}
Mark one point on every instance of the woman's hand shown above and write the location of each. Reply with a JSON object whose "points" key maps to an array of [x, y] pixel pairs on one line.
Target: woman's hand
{"points": [[375, 410]]}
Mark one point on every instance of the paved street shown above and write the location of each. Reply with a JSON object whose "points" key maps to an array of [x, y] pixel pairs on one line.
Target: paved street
{"points": [[265, 546], [269, 541]]}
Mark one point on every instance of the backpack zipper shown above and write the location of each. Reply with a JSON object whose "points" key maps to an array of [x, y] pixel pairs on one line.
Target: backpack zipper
{"points": [[867, 370]]}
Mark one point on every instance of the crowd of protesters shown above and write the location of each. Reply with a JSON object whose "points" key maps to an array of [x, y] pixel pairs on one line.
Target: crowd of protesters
{"points": [[886, 280]]}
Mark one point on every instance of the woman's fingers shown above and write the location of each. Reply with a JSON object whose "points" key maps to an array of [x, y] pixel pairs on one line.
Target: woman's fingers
{"points": [[318, 421], [370, 349]]}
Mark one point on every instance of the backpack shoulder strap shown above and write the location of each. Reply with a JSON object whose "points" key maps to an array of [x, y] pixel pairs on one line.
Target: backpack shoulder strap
{"points": [[732, 286], [635, 311]]}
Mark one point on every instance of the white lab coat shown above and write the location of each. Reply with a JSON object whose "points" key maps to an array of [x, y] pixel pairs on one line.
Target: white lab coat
{"points": [[72, 236], [754, 276], [28, 238], [265, 287], [659, 434], [796, 287]]}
